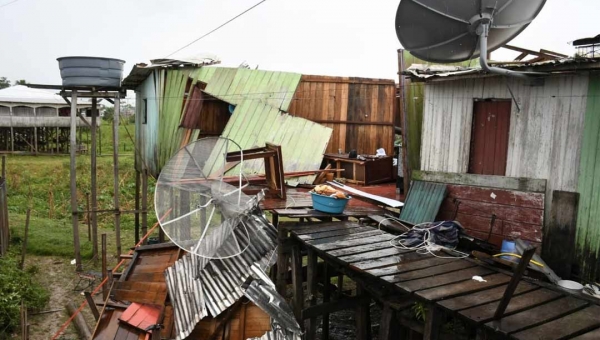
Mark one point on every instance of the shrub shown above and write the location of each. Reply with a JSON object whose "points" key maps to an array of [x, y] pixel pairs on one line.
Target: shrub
{"points": [[16, 286]]}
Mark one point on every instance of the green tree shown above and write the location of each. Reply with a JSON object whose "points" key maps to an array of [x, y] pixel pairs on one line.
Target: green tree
{"points": [[21, 82], [4, 83], [109, 113]]}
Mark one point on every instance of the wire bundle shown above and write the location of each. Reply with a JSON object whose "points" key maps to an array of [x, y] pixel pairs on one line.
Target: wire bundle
{"points": [[427, 246]]}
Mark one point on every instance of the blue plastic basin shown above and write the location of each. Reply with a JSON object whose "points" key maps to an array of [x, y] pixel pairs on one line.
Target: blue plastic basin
{"points": [[329, 204]]}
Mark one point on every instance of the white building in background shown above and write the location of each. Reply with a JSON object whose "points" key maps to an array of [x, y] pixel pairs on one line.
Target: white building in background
{"points": [[36, 120]]}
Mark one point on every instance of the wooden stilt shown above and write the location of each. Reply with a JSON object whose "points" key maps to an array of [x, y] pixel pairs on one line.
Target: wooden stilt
{"points": [[282, 260], [297, 283], [24, 250], [104, 268], [137, 206], [93, 181], [73, 175], [388, 327], [363, 317], [326, 298], [92, 304], [433, 321], [311, 283], [144, 204], [116, 172]]}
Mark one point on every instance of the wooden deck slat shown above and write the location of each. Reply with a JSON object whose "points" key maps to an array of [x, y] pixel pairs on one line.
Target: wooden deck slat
{"points": [[432, 271], [485, 313], [359, 249], [480, 298], [537, 315], [592, 335], [408, 266], [355, 242], [580, 321], [320, 227], [465, 287], [350, 236], [340, 232], [444, 279], [374, 254], [377, 263]]}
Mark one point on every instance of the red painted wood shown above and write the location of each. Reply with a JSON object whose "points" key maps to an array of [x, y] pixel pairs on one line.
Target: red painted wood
{"points": [[501, 196], [503, 212], [489, 137], [518, 214]]}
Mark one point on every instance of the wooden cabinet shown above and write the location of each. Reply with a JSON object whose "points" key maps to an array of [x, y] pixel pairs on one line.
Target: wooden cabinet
{"points": [[364, 172]]}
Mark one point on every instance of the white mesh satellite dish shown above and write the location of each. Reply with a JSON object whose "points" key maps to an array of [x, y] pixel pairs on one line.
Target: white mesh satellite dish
{"points": [[447, 31], [196, 209]]}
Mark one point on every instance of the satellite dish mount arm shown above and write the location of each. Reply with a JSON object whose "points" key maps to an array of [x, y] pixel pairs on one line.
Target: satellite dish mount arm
{"points": [[483, 31]]}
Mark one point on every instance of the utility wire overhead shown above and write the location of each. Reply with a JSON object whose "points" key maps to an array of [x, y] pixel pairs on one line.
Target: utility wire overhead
{"points": [[8, 3], [216, 29]]}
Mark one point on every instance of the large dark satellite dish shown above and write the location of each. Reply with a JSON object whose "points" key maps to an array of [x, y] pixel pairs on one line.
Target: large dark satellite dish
{"points": [[447, 31]]}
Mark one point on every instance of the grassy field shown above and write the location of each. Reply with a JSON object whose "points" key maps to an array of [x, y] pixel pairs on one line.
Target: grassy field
{"points": [[41, 183]]}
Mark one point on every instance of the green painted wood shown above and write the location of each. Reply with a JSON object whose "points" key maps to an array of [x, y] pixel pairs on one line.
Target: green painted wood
{"points": [[501, 182], [423, 202], [588, 219]]}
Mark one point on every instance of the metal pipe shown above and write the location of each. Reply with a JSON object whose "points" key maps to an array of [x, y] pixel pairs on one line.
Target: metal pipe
{"points": [[483, 37]]}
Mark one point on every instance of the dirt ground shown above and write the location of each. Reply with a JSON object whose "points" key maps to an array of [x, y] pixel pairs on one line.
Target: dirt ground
{"points": [[58, 275]]}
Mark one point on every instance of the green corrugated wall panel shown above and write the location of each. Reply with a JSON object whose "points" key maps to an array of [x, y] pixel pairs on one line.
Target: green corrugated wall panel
{"points": [[423, 202], [588, 217], [235, 85], [260, 97]]}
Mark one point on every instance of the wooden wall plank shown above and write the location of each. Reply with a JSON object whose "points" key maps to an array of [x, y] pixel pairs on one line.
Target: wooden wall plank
{"points": [[559, 236], [509, 183]]}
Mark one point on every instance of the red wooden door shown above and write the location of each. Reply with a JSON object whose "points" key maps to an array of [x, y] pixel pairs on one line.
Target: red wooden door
{"points": [[489, 138]]}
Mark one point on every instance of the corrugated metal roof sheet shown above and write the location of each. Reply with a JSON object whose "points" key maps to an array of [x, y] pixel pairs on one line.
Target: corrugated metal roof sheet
{"points": [[198, 285], [261, 99], [21, 94], [421, 71]]}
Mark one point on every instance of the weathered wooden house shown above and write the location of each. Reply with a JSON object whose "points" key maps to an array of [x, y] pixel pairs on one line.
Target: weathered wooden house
{"points": [[35, 121], [176, 105], [538, 141]]}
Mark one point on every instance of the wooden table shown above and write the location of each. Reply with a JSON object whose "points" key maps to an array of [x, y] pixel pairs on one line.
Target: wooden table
{"points": [[385, 273]]}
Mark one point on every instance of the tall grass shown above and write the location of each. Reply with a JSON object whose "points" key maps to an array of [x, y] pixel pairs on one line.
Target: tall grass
{"points": [[42, 184]]}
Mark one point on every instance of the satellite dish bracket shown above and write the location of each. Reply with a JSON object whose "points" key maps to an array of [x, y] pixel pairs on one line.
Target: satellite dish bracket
{"points": [[482, 30]]}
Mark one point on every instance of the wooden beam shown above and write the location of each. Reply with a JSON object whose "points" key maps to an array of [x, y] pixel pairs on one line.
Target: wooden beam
{"points": [[326, 298], [433, 321], [93, 180], [311, 283], [559, 235], [104, 268], [514, 281], [501, 182], [297, 282], [82, 327], [92, 304], [117, 191], [73, 177], [363, 315]]}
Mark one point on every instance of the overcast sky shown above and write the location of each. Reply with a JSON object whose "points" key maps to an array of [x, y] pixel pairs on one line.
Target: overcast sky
{"points": [[329, 37]]}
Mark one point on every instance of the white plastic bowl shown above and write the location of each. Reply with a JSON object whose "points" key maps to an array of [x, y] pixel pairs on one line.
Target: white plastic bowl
{"points": [[570, 285]]}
